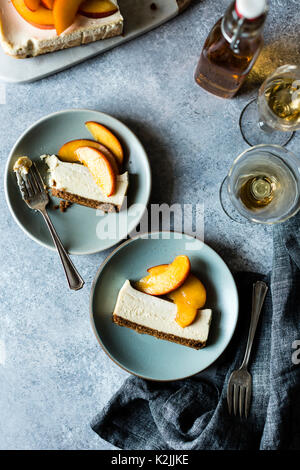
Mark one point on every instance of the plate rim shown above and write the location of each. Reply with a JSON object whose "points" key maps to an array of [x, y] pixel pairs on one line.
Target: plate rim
{"points": [[92, 293], [32, 126]]}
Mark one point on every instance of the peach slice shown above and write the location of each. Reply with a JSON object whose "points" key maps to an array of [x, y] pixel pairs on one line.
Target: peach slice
{"points": [[67, 151], [32, 4], [157, 269], [41, 18], [107, 138], [170, 279], [97, 8], [100, 168], [48, 4], [186, 314], [64, 13], [189, 297]]}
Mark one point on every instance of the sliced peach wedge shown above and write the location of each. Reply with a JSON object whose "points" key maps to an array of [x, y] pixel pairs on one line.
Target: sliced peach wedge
{"points": [[64, 13], [170, 279], [157, 269], [97, 8], [189, 297], [32, 4], [107, 138], [48, 4], [100, 168], [40, 18], [67, 152]]}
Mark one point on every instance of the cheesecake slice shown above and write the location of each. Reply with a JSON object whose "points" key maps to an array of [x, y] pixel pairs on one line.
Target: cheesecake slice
{"points": [[20, 39], [156, 317], [73, 182]]}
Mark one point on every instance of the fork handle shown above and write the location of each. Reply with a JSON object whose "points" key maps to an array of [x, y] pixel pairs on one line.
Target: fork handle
{"points": [[74, 279], [258, 296]]}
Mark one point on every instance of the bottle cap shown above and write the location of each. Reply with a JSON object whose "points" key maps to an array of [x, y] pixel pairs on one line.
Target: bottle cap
{"points": [[250, 9]]}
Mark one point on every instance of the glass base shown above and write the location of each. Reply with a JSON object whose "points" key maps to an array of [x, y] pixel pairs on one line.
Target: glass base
{"points": [[228, 207], [254, 135]]}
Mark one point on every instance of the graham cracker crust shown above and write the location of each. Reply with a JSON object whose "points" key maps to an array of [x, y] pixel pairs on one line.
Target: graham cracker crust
{"points": [[105, 207], [191, 343]]}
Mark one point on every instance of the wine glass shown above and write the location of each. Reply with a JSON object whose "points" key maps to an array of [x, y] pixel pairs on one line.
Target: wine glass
{"points": [[262, 186], [273, 117]]}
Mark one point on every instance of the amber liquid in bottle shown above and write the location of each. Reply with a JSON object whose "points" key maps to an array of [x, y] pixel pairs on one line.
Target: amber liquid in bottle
{"points": [[222, 68]]}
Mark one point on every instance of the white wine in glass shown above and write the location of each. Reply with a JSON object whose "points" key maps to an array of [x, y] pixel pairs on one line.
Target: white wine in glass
{"points": [[262, 186], [275, 115]]}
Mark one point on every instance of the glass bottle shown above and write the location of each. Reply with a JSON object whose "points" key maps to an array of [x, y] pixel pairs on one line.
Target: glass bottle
{"points": [[232, 47]]}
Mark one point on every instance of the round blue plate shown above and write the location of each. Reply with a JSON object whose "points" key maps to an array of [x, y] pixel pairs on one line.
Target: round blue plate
{"points": [[81, 229], [144, 355]]}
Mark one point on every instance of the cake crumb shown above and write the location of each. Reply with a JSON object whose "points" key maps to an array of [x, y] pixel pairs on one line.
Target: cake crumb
{"points": [[64, 205], [153, 6], [56, 207]]}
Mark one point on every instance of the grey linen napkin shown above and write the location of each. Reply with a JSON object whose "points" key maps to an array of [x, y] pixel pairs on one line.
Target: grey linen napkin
{"points": [[192, 414]]}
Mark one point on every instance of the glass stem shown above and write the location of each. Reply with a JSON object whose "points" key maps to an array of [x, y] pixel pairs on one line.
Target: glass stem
{"points": [[264, 127]]}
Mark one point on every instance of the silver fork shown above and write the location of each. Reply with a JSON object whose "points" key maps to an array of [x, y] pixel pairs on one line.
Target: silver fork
{"points": [[36, 197], [240, 381]]}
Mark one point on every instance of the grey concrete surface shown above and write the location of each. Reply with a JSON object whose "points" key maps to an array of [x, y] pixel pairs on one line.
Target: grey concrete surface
{"points": [[54, 377]]}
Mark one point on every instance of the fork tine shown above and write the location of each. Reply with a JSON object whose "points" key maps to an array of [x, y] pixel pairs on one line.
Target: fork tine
{"points": [[37, 177], [242, 400], [33, 181], [29, 184], [229, 396], [22, 186], [235, 398], [248, 399]]}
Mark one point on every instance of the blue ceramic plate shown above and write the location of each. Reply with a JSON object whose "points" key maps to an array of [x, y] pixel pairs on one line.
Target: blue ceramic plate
{"points": [[81, 229], [145, 355]]}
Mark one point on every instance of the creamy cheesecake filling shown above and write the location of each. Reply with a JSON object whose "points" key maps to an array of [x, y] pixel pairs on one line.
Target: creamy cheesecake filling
{"points": [[16, 30], [158, 314], [76, 179]]}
